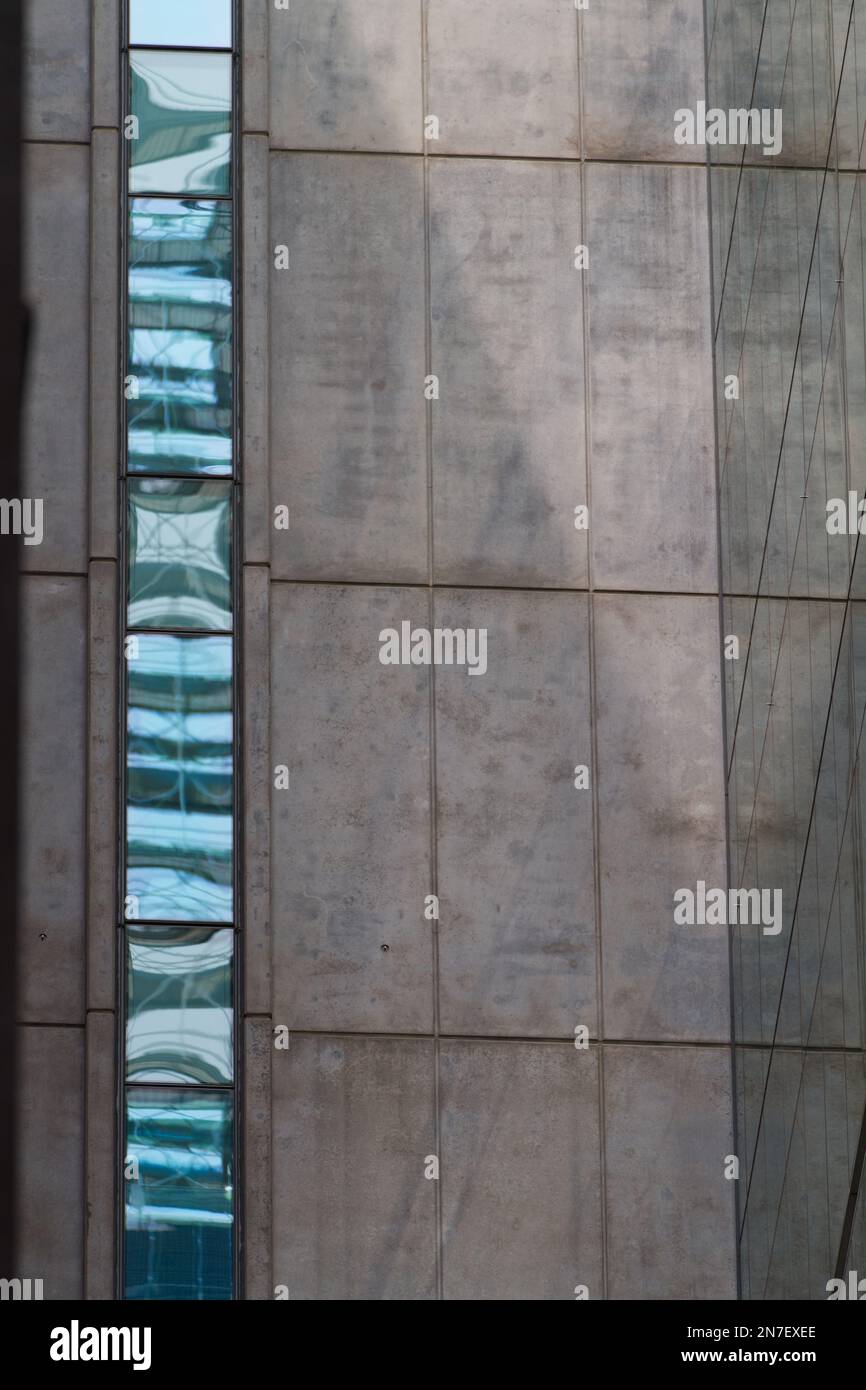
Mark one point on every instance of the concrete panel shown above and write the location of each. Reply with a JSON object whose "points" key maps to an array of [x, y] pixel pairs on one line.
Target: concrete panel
{"points": [[254, 56], [105, 58], [351, 835], [52, 751], [509, 458], [521, 1189], [49, 1146], [354, 1215], [54, 418], [256, 1170], [670, 1209], [56, 55], [104, 344], [256, 731], [346, 75], [653, 437], [515, 853], [255, 416], [641, 61], [101, 1156], [348, 415], [502, 77], [103, 694], [661, 814]]}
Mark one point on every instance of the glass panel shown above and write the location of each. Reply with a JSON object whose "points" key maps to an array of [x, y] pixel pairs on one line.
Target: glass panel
{"points": [[182, 102], [179, 1206], [179, 793], [180, 336], [190, 23], [179, 1012], [179, 554]]}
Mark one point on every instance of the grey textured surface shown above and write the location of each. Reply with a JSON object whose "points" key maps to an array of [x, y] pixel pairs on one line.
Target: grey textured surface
{"points": [[509, 457], [354, 1215], [502, 77], [52, 746], [348, 447], [521, 1184], [49, 1145], [346, 75], [55, 409]]}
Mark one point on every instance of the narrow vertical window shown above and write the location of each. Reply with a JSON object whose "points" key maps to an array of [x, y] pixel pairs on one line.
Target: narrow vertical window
{"points": [[178, 895]]}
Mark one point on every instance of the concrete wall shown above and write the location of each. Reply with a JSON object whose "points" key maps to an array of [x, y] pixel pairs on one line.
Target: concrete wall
{"points": [[414, 1039], [557, 387], [790, 275], [65, 1120]]}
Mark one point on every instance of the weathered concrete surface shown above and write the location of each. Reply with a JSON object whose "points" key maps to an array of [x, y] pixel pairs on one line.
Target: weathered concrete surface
{"points": [[346, 75], [348, 425], [661, 816], [100, 1155], [103, 697], [509, 457], [55, 413], [502, 77], [351, 835], [104, 341], [256, 1173], [52, 752], [258, 779], [49, 1140], [255, 303], [642, 60], [521, 1187], [56, 54], [354, 1215], [653, 521], [670, 1213], [514, 836]]}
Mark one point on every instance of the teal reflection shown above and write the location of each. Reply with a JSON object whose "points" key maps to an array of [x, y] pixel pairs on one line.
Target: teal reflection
{"points": [[182, 103], [179, 345], [189, 23], [179, 554], [178, 1209], [179, 1005], [179, 779]]}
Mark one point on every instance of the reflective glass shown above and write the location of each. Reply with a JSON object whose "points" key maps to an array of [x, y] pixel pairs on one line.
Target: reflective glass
{"points": [[179, 554], [179, 779], [179, 1203], [182, 103], [179, 406], [191, 23], [179, 1005]]}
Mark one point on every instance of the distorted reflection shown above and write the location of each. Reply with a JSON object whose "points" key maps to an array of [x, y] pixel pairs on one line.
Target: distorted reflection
{"points": [[182, 103], [180, 336], [179, 793], [179, 554], [188, 23], [179, 1005], [179, 1199]]}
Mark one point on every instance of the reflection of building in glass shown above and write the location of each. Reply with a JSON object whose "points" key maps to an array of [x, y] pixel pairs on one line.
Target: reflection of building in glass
{"points": [[179, 779], [178, 996], [179, 412], [179, 1207], [789, 251]]}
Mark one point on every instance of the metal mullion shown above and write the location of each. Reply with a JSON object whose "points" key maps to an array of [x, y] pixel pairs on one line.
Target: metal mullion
{"points": [[197, 1087], [147, 922], [133, 631], [180, 196], [179, 477], [133, 47]]}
